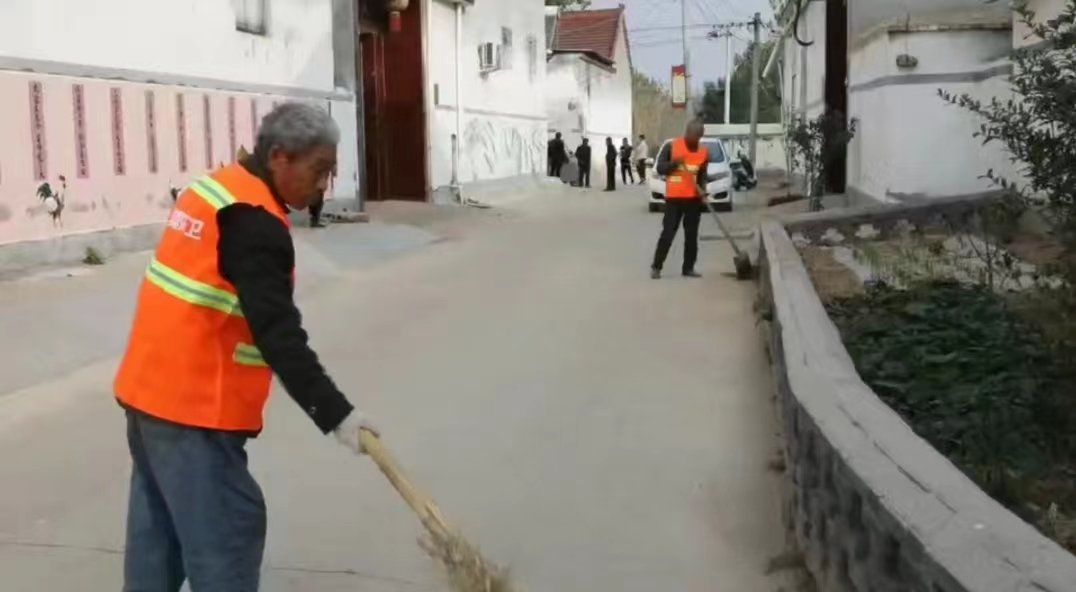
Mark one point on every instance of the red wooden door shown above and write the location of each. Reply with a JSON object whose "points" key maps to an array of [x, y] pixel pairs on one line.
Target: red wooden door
{"points": [[373, 89], [404, 122], [395, 111]]}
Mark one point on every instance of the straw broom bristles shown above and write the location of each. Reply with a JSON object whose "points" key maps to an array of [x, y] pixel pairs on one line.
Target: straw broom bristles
{"points": [[467, 570]]}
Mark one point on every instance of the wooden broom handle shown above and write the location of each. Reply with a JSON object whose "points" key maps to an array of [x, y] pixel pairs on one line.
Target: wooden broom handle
{"points": [[422, 504]]}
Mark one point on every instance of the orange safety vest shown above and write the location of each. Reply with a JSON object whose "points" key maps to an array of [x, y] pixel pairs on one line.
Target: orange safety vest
{"points": [[680, 184], [191, 358]]}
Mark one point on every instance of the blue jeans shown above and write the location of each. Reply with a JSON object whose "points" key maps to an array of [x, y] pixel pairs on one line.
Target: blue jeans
{"points": [[195, 512]]}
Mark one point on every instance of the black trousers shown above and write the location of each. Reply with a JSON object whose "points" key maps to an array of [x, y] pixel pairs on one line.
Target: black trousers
{"points": [[677, 211], [584, 174], [641, 163], [610, 175], [554, 168], [315, 210], [626, 172]]}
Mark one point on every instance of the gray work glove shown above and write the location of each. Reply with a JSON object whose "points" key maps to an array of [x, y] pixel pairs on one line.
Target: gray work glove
{"points": [[347, 433]]}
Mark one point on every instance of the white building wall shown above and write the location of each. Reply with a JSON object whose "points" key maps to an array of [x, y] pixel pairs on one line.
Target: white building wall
{"points": [[804, 79], [193, 38], [567, 104], [770, 146], [805, 66], [504, 119], [94, 90], [611, 98], [584, 99], [910, 143], [863, 15]]}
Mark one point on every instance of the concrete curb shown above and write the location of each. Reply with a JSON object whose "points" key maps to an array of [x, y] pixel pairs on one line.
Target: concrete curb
{"points": [[873, 506], [495, 192], [70, 249]]}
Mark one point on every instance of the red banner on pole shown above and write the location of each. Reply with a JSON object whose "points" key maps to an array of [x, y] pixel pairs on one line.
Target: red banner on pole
{"points": [[679, 87]]}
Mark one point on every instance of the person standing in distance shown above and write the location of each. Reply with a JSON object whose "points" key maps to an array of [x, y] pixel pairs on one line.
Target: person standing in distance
{"points": [[642, 152], [626, 171], [683, 164], [557, 155], [582, 155], [610, 165], [215, 320]]}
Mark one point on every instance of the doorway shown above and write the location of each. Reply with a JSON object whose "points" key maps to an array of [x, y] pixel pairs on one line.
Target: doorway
{"points": [[394, 103]]}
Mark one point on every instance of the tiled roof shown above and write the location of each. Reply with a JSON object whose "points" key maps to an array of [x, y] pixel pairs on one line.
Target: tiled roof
{"points": [[589, 31]]}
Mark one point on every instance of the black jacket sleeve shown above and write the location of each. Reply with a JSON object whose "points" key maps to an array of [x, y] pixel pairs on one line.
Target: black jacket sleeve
{"points": [[255, 253], [702, 178], [663, 165]]}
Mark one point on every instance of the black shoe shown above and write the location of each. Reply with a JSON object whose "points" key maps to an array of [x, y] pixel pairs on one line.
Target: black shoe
{"points": [[316, 224], [691, 273], [655, 273]]}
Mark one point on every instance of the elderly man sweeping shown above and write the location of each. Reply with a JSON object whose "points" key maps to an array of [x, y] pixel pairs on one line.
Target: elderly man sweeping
{"points": [[215, 320], [683, 163]]}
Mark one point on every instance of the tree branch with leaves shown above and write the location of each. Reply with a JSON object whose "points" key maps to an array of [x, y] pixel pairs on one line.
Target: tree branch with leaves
{"points": [[1038, 123]]}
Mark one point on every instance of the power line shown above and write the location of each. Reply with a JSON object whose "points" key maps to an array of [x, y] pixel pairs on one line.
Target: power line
{"points": [[696, 26], [669, 41], [715, 32], [734, 9], [710, 10]]}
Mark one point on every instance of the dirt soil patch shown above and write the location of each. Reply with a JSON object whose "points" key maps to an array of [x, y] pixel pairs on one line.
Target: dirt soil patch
{"points": [[1034, 248], [832, 279]]}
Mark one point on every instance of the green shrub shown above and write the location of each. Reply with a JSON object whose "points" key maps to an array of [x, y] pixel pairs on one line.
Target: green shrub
{"points": [[969, 374]]}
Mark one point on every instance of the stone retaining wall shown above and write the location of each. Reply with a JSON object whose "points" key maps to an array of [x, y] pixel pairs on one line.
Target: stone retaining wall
{"points": [[874, 507]]}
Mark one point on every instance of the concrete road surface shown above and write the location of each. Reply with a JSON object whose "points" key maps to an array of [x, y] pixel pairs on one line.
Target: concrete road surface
{"points": [[593, 429]]}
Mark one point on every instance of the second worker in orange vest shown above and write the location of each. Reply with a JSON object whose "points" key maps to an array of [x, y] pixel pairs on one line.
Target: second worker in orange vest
{"points": [[215, 320], [683, 164]]}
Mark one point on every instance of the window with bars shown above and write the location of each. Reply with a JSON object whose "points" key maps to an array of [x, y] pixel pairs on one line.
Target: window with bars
{"points": [[250, 16], [489, 57]]}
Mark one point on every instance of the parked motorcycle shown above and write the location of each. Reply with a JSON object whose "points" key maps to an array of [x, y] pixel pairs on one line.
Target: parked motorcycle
{"points": [[743, 173]]}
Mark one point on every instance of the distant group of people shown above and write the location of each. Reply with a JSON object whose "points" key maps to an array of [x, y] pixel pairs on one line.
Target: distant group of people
{"points": [[574, 167]]}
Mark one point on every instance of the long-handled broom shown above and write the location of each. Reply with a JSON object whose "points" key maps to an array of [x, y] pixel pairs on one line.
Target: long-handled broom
{"points": [[467, 570], [741, 260]]}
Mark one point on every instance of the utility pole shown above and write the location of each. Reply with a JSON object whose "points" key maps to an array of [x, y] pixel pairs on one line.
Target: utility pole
{"points": [[728, 77], [756, 65], [687, 70]]}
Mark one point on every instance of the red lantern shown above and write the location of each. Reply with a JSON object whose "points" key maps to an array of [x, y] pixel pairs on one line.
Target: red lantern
{"points": [[395, 8]]}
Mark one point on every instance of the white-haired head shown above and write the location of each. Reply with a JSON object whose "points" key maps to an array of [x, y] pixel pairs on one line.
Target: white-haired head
{"points": [[296, 147]]}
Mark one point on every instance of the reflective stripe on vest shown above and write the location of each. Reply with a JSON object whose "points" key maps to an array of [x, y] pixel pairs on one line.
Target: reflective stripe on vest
{"points": [[192, 291], [248, 355], [199, 293], [213, 193]]}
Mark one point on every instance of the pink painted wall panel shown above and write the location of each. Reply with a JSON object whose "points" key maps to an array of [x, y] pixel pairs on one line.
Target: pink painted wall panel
{"points": [[16, 163], [222, 153], [105, 197]]}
